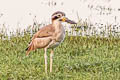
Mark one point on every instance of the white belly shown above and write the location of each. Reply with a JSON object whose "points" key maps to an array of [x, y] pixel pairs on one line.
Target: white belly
{"points": [[54, 45]]}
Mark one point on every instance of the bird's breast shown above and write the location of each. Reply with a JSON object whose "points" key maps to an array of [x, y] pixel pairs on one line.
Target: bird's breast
{"points": [[58, 37]]}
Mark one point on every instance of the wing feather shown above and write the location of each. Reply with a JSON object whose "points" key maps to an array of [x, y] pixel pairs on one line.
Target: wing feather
{"points": [[46, 31]]}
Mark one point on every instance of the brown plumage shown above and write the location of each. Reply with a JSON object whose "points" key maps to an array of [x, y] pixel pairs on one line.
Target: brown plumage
{"points": [[43, 36], [49, 36]]}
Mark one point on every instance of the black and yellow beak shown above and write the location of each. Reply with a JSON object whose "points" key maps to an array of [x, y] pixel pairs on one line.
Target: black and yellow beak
{"points": [[64, 19]]}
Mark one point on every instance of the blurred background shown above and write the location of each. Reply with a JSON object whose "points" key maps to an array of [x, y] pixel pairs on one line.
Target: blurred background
{"points": [[99, 16]]}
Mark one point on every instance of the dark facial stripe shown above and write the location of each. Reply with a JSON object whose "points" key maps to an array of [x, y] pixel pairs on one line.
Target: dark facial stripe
{"points": [[55, 17]]}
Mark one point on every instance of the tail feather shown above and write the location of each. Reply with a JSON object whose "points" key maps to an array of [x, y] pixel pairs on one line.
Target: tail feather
{"points": [[29, 48], [30, 44], [26, 49]]}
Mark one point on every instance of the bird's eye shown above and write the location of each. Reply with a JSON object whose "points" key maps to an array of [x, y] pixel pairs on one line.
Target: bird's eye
{"points": [[58, 16]]}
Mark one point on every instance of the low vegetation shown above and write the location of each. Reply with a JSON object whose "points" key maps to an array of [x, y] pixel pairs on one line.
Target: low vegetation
{"points": [[77, 58]]}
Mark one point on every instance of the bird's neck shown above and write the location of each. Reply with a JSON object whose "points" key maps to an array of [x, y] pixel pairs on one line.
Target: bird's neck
{"points": [[58, 26]]}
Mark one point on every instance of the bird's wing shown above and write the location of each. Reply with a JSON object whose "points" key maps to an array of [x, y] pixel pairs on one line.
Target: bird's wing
{"points": [[46, 31]]}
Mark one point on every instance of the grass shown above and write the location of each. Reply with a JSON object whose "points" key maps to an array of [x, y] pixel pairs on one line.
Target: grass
{"points": [[77, 58]]}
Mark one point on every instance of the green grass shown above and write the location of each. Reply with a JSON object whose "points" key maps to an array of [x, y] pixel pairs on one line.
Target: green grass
{"points": [[77, 58]]}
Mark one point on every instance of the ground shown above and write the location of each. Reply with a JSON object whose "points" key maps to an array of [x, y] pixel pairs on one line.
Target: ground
{"points": [[77, 58]]}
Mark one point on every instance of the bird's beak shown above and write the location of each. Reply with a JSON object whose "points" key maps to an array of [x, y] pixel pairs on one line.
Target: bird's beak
{"points": [[64, 19]]}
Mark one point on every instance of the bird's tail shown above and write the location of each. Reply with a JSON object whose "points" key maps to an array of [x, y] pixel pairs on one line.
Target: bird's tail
{"points": [[26, 49], [29, 48]]}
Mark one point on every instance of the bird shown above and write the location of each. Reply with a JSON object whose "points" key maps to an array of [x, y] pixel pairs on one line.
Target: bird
{"points": [[49, 36]]}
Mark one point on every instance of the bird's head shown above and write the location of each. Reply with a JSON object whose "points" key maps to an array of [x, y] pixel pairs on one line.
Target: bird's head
{"points": [[60, 16]]}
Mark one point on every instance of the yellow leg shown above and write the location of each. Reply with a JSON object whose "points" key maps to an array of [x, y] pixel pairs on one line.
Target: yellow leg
{"points": [[51, 60], [45, 56]]}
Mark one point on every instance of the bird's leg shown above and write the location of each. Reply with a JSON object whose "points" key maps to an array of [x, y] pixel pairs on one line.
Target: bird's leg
{"points": [[51, 60], [45, 56]]}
